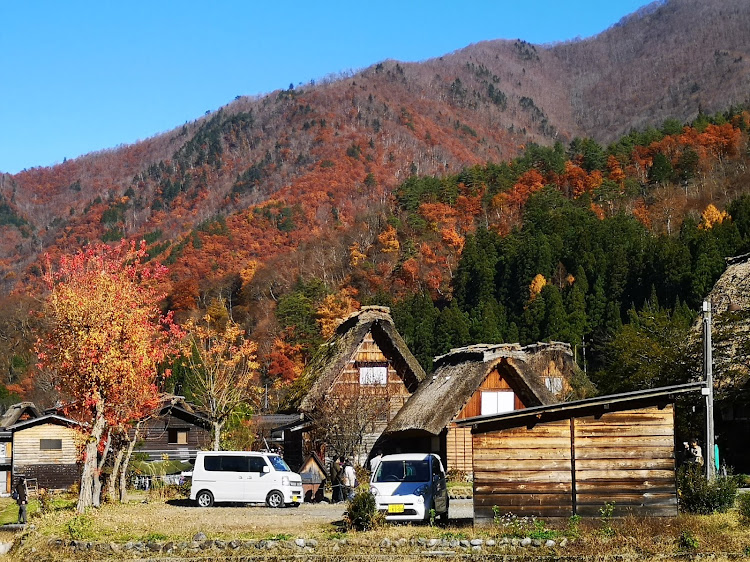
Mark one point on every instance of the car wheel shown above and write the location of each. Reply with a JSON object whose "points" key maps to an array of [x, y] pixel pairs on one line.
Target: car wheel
{"points": [[275, 499], [204, 498]]}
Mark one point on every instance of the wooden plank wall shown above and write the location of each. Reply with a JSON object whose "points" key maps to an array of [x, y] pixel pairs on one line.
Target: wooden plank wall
{"points": [[523, 471], [53, 469], [26, 445], [626, 458], [154, 438], [458, 449]]}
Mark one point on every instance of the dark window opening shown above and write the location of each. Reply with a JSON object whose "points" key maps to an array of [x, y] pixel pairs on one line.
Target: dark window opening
{"points": [[50, 444]]}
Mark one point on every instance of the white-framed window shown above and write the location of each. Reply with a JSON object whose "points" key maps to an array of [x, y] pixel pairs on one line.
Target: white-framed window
{"points": [[554, 384], [373, 374], [497, 401]]}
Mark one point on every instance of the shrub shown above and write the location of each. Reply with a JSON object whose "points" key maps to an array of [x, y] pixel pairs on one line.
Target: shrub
{"points": [[688, 541], [702, 496], [743, 507], [606, 512], [361, 513], [81, 527]]}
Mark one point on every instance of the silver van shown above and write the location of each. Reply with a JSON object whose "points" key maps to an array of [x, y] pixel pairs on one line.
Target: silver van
{"points": [[244, 476]]}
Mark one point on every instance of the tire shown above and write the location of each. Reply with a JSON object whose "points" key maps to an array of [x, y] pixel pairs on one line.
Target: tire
{"points": [[204, 498], [275, 499]]}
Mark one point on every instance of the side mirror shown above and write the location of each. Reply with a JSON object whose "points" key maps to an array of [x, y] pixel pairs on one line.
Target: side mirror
{"points": [[266, 469]]}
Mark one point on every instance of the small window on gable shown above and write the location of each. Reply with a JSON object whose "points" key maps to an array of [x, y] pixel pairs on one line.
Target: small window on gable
{"points": [[178, 436], [50, 444], [373, 373], [498, 402], [554, 384]]}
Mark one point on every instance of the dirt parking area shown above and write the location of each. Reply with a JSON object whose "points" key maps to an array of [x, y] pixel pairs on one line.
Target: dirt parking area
{"points": [[139, 519]]}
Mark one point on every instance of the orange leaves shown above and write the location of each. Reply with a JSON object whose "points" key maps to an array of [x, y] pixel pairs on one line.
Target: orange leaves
{"points": [[614, 170], [537, 284], [286, 360], [107, 337], [334, 308], [356, 256], [578, 181], [711, 216], [221, 364], [389, 240]]}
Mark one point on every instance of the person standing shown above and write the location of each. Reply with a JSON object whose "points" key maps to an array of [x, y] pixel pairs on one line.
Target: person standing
{"points": [[696, 453], [335, 469], [350, 479], [22, 499]]}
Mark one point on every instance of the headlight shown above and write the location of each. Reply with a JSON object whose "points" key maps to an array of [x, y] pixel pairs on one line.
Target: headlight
{"points": [[422, 491], [373, 490], [285, 481]]}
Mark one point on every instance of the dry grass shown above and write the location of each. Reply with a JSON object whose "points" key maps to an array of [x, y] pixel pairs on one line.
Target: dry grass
{"points": [[641, 538]]}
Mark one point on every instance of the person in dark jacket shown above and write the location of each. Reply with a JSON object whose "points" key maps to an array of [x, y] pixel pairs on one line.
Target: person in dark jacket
{"points": [[22, 499], [335, 471]]}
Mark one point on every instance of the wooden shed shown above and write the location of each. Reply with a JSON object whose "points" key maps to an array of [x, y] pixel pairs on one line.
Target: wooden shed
{"points": [[314, 475], [480, 380], [571, 458], [46, 448], [356, 384]]}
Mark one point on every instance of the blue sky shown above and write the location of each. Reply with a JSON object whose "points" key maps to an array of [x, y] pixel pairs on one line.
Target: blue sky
{"points": [[77, 77]]}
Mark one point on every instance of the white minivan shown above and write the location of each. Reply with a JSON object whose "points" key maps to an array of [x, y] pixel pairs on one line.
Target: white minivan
{"points": [[244, 476], [408, 486]]}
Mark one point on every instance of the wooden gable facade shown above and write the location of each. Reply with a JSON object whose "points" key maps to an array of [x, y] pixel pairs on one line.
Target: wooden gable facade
{"points": [[569, 459], [495, 386], [369, 373], [360, 378]]}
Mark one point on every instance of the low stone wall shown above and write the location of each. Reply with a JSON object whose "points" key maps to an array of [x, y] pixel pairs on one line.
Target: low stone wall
{"points": [[203, 547]]}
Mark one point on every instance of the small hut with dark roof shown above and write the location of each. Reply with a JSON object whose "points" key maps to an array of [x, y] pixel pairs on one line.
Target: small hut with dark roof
{"points": [[480, 380], [356, 383]]}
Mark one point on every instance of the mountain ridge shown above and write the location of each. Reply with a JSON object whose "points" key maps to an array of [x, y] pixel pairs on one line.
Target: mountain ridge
{"points": [[340, 144]]}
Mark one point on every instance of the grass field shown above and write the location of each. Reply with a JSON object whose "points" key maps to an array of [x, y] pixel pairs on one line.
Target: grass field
{"points": [[154, 517]]}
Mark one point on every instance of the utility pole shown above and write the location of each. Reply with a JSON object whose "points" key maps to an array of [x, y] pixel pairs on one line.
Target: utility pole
{"points": [[708, 390]]}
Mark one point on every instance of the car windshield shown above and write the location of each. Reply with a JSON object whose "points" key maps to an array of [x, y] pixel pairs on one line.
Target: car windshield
{"points": [[403, 471], [279, 464]]}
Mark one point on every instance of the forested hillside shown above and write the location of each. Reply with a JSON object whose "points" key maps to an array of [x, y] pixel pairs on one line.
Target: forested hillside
{"points": [[474, 193]]}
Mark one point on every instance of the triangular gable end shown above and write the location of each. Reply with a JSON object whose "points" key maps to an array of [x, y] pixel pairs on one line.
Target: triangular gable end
{"points": [[500, 378]]}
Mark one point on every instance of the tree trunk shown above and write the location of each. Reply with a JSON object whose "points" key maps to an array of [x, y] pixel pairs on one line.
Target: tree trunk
{"points": [[97, 499], [217, 434], [89, 472], [112, 484], [126, 462]]}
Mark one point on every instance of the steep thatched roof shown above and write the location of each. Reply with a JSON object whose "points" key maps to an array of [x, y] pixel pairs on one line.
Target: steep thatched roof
{"points": [[730, 306], [336, 353], [15, 412], [459, 374]]}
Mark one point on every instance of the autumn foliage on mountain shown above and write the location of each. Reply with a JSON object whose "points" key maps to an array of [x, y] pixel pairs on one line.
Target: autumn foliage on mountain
{"points": [[297, 207]]}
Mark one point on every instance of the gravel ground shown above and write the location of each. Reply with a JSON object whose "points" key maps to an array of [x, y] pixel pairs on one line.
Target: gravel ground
{"points": [[138, 519]]}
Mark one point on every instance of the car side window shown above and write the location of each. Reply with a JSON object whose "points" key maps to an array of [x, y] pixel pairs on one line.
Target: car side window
{"points": [[256, 464], [435, 467], [234, 463]]}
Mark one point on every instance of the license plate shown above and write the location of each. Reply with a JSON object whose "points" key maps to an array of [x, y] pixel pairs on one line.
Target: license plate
{"points": [[396, 508], [295, 499]]}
